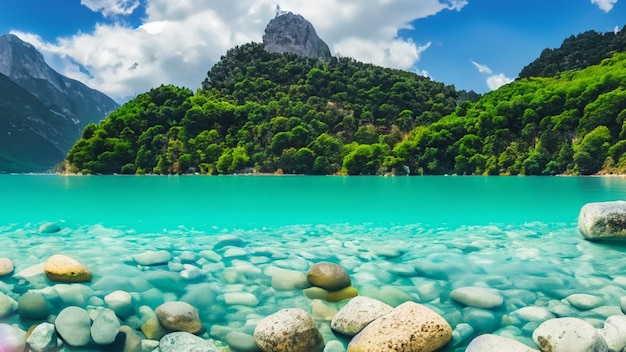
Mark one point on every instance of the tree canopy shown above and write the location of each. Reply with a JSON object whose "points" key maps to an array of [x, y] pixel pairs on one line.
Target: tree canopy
{"points": [[264, 112]]}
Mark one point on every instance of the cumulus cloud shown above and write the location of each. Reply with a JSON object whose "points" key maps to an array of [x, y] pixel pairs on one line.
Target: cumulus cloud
{"points": [[179, 41], [111, 7], [604, 5], [494, 81]]}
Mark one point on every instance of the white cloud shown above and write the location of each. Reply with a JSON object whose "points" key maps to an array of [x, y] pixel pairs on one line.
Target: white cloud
{"points": [[496, 81], [493, 81], [179, 41], [111, 7], [482, 68], [604, 5]]}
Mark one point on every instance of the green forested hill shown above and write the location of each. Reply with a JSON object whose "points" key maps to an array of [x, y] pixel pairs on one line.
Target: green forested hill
{"points": [[268, 112], [571, 123], [575, 53]]}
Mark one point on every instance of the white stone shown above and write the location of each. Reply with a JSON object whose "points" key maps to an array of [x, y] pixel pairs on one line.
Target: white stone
{"points": [[568, 335], [357, 313], [121, 302], [42, 338], [235, 252], [495, 343], [210, 255], [105, 327], [7, 305], [6, 266], [614, 332], [184, 341], [532, 313], [191, 272], [241, 298], [478, 297], [334, 346], [461, 332], [150, 258], [286, 280], [584, 301], [73, 325]]}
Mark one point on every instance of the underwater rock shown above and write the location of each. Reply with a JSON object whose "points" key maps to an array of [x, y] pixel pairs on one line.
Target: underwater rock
{"points": [[179, 316], [359, 312], [49, 227], [32, 305], [329, 276], [184, 341], [105, 327], [61, 268], [495, 343], [73, 325], [6, 266], [151, 258], [42, 338], [408, 327], [568, 335], [288, 330], [603, 220], [477, 297]]}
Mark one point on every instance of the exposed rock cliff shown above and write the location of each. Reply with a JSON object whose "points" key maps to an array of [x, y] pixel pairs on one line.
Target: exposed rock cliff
{"points": [[42, 103], [290, 33]]}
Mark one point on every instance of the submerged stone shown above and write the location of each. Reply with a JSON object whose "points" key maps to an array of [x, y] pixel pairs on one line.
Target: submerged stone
{"points": [[329, 276], [61, 268], [288, 330], [49, 227], [6, 266]]}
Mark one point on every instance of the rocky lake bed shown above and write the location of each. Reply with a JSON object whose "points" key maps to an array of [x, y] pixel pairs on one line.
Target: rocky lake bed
{"points": [[495, 286]]}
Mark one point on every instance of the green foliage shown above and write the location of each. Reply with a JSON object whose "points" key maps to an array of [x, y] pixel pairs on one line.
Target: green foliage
{"points": [[266, 112]]}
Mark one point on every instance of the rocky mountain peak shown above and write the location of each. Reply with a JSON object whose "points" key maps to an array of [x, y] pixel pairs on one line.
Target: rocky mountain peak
{"points": [[20, 60], [291, 33]]}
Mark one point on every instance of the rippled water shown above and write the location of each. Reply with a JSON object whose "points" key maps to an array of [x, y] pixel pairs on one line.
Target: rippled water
{"points": [[399, 237]]}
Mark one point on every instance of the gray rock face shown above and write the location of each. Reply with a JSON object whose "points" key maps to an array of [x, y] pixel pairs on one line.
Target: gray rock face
{"points": [[47, 111], [603, 220], [290, 33]]}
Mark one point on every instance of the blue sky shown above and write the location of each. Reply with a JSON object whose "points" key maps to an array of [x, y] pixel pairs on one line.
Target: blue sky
{"points": [[125, 47]]}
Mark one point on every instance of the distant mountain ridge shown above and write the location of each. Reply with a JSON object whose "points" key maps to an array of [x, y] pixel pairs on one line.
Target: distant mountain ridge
{"points": [[47, 110]]}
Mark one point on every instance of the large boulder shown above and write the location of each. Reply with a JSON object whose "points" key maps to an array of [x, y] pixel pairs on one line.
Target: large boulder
{"points": [[568, 335], [359, 312], [329, 276], [179, 316], [603, 220], [409, 327], [288, 330], [61, 268]]}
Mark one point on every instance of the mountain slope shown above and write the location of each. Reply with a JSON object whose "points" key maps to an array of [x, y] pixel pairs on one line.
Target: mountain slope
{"points": [[69, 104], [22, 118]]}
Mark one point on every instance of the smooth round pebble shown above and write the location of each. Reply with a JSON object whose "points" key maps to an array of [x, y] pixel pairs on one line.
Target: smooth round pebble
{"points": [[288, 330], [49, 227], [105, 327], [73, 325], [61, 268], [179, 316], [32, 305], [568, 335], [477, 297], [495, 343], [583, 301], [357, 313], [329, 276], [240, 342], [152, 258], [345, 293], [6, 266]]}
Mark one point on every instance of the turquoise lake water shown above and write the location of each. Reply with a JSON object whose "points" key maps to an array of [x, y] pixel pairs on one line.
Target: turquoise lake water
{"points": [[244, 202], [399, 238]]}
